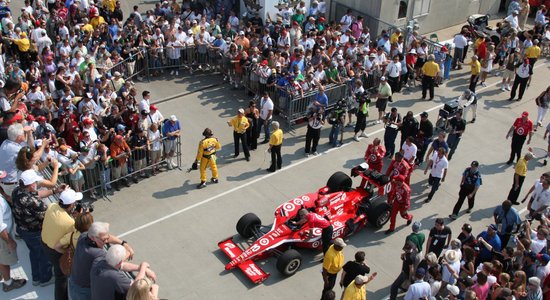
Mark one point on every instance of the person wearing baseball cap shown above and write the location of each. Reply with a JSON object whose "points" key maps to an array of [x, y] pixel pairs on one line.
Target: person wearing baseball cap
{"points": [[155, 115], [333, 261], [171, 130], [520, 130], [420, 289], [471, 180], [400, 200], [58, 222], [384, 94], [29, 211], [357, 288], [240, 124]]}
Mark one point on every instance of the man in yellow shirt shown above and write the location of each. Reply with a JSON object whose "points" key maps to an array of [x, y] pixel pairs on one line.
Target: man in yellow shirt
{"points": [[58, 221], [23, 43], [240, 124], [206, 155], [332, 264], [475, 71], [430, 71], [519, 177], [357, 289], [532, 53], [395, 36], [275, 143]]}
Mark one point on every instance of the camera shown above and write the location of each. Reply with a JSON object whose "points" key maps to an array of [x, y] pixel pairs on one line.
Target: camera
{"points": [[83, 207]]}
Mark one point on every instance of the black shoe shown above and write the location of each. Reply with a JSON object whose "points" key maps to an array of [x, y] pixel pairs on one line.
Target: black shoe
{"points": [[116, 187], [135, 180], [515, 203], [389, 231], [428, 200], [511, 99], [214, 180], [519, 99], [236, 155], [264, 142], [201, 185], [248, 158], [469, 210], [126, 183], [473, 120], [270, 170], [409, 222], [509, 162]]}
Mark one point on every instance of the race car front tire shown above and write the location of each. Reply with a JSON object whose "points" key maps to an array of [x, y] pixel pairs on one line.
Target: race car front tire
{"points": [[379, 213], [246, 224], [339, 181], [289, 262]]}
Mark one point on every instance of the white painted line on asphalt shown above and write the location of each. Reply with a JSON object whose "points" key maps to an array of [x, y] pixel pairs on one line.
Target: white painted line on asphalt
{"points": [[271, 174]]}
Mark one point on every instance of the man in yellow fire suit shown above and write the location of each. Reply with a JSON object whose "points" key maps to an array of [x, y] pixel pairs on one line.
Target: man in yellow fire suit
{"points": [[206, 155]]}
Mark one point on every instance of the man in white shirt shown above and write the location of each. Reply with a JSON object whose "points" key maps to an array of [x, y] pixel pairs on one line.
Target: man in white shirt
{"points": [[512, 20], [438, 165], [393, 71], [409, 150], [521, 79], [540, 200], [460, 43], [266, 116], [145, 103], [346, 20], [35, 94]]}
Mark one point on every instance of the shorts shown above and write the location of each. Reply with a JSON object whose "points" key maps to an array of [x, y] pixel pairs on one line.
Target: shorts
{"points": [[352, 110], [508, 75], [169, 146], [381, 104], [7, 256], [155, 155]]}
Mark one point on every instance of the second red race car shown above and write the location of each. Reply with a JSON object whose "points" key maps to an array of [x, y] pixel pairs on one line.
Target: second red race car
{"points": [[348, 210]]}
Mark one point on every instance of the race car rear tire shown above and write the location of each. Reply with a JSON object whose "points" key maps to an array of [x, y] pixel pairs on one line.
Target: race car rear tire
{"points": [[379, 213], [289, 263], [338, 182], [245, 225]]}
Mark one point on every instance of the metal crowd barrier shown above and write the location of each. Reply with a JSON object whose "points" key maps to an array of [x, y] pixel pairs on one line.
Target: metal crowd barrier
{"points": [[132, 67], [99, 178]]}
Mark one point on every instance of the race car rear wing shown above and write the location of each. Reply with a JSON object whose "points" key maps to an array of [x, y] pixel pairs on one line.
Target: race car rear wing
{"points": [[249, 268]]}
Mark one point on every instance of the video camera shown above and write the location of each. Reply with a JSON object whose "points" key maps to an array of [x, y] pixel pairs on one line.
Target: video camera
{"points": [[84, 207]]}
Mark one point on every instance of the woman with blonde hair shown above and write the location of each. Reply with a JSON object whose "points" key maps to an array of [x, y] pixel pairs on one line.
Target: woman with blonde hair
{"points": [[519, 285], [143, 289]]}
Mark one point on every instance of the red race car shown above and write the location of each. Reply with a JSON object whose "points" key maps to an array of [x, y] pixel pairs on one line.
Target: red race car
{"points": [[348, 209]]}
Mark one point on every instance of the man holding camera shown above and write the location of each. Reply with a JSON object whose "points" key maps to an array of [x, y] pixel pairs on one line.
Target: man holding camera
{"points": [[10, 95], [120, 152], [337, 118], [313, 134]]}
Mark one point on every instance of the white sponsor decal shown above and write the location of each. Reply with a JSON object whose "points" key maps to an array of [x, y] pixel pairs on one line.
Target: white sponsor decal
{"points": [[289, 207], [305, 198], [317, 231], [316, 244], [387, 188], [264, 242], [298, 201]]}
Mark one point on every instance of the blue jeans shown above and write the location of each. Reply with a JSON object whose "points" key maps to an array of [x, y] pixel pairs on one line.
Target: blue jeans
{"points": [[41, 267], [334, 133], [79, 293], [105, 178], [267, 128]]}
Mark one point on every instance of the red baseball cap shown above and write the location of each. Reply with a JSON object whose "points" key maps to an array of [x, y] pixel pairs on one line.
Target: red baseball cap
{"points": [[264, 62], [41, 119], [152, 107], [525, 114], [30, 118], [88, 121]]}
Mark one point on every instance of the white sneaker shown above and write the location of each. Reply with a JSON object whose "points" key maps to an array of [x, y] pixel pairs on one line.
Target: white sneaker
{"points": [[172, 73], [502, 88], [378, 121], [315, 153], [364, 134], [507, 88], [307, 155], [355, 138], [177, 73]]}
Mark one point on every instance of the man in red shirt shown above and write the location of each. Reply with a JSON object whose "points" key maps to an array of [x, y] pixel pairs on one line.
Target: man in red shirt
{"points": [[399, 198], [399, 166], [314, 220], [374, 155], [519, 131]]}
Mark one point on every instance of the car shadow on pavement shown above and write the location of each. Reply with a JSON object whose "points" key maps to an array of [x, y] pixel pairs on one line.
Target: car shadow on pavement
{"points": [[175, 191]]}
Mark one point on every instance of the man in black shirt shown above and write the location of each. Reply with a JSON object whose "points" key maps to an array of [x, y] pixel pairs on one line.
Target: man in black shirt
{"points": [[392, 121], [138, 144], [458, 126], [407, 269], [409, 127], [439, 237], [353, 268], [423, 137]]}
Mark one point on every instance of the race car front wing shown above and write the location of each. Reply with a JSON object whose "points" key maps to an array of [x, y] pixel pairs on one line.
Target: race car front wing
{"points": [[249, 268]]}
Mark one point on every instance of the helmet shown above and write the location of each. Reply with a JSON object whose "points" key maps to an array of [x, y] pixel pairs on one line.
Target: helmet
{"points": [[207, 132]]}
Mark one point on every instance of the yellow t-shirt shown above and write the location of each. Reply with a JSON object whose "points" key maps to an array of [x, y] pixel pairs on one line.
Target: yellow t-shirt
{"points": [[333, 260], [57, 223], [208, 146], [67, 237], [430, 69], [394, 37], [239, 124], [23, 44], [276, 138], [476, 67], [109, 4], [87, 28], [521, 167], [96, 21], [352, 292], [532, 52]]}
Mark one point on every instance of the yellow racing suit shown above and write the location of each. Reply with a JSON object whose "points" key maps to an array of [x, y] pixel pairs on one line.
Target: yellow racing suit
{"points": [[206, 155]]}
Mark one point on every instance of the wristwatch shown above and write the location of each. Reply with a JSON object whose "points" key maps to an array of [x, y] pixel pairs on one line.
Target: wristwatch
{"points": [[123, 242]]}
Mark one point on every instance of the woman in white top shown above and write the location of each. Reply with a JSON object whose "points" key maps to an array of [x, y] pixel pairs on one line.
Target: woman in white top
{"points": [[154, 142], [487, 64]]}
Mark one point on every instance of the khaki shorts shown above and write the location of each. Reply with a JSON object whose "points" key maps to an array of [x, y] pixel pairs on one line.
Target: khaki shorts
{"points": [[155, 156], [7, 256], [508, 75]]}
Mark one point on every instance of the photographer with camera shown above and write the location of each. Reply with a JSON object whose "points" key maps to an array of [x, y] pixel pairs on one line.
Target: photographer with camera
{"points": [[313, 134], [337, 118], [10, 95], [362, 112]]}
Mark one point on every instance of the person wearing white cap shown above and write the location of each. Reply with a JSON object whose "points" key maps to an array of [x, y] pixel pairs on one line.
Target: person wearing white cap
{"points": [[512, 20], [8, 246], [171, 130], [29, 211], [333, 261], [59, 221], [240, 124], [357, 288]]}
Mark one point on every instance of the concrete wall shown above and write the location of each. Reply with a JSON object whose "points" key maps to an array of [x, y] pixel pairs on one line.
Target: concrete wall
{"points": [[442, 13]]}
